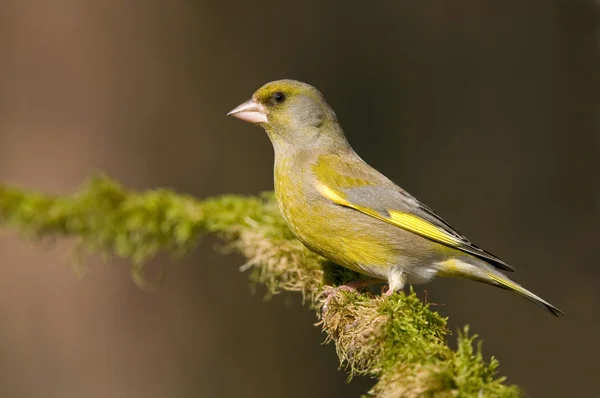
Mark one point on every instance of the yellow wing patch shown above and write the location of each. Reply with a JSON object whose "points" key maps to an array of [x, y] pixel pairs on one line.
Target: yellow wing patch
{"points": [[421, 227], [332, 195], [403, 220]]}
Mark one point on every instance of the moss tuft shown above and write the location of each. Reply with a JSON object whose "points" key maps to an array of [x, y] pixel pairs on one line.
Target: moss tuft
{"points": [[398, 339]]}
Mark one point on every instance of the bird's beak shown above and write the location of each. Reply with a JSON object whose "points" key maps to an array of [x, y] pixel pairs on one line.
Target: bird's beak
{"points": [[250, 111]]}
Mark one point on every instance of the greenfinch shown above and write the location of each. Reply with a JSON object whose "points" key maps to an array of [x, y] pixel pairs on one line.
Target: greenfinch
{"points": [[346, 211]]}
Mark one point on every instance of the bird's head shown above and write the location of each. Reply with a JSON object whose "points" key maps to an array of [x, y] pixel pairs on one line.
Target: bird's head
{"points": [[289, 111]]}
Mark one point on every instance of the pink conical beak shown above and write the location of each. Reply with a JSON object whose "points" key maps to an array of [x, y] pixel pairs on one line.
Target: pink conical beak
{"points": [[250, 111]]}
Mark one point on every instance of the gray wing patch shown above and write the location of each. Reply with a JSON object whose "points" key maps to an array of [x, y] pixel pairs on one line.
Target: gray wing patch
{"points": [[388, 196]]}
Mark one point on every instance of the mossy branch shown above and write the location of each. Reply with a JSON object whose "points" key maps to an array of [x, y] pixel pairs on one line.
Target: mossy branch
{"points": [[398, 339]]}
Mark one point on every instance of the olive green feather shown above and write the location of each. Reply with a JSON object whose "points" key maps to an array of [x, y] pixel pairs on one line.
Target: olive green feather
{"points": [[365, 189], [348, 212]]}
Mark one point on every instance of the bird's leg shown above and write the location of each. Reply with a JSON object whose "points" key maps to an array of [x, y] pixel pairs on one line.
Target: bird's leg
{"points": [[397, 280], [352, 286], [348, 287], [357, 285], [389, 291]]}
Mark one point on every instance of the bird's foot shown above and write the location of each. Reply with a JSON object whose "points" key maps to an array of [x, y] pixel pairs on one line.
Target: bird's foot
{"points": [[387, 291], [348, 287]]}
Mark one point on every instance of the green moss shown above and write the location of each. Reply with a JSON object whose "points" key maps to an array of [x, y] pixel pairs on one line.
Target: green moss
{"points": [[399, 340], [473, 375]]}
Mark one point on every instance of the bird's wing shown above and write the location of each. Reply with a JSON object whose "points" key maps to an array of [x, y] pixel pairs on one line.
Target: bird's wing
{"points": [[354, 184]]}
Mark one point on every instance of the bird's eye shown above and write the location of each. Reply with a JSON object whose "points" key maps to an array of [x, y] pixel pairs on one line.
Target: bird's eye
{"points": [[279, 97]]}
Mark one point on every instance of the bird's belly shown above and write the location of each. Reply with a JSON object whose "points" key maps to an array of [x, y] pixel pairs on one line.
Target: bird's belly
{"points": [[344, 236]]}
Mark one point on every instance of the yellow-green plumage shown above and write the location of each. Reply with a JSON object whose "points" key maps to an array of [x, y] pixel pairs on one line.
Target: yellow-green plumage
{"points": [[348, 212]]}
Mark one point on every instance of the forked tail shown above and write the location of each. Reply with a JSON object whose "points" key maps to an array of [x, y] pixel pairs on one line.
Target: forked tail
{"points": [[505, 283], [490, 276]]}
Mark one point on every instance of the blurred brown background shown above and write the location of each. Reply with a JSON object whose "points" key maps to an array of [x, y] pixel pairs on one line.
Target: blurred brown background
{"points": [[486, 111]]}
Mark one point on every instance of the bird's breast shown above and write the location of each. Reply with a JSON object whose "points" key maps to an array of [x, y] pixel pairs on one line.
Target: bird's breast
{"points": [[340, 234]]}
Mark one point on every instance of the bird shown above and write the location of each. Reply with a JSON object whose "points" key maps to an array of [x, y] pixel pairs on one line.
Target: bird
{"points": [[348, 212]]}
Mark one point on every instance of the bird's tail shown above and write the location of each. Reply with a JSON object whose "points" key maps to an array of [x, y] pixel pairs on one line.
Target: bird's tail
{"points": [[485, 274]]}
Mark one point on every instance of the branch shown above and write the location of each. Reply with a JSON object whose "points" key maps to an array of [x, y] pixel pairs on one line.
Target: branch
{"points": [[399, 340]]}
